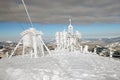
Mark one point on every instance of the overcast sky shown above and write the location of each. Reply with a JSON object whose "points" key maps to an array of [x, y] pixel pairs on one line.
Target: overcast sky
{"points": [[58, 11], [93, 18]]}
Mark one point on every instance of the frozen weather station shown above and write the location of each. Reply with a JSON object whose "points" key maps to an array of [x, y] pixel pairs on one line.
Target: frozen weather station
{"points": [[70, 40], [70, 60]]}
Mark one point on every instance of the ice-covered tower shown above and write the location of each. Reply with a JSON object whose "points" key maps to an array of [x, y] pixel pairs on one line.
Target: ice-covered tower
{"points": [[32, 43], [61, 39], [31, 38], [70, 27], [68, 40]]}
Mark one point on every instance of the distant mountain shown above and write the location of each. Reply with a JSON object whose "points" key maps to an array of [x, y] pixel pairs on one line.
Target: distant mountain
{"points": [[106, 40], [111, 40]]}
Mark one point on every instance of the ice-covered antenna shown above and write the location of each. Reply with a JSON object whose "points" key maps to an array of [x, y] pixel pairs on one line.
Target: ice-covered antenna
{"points": [[27, 13]]}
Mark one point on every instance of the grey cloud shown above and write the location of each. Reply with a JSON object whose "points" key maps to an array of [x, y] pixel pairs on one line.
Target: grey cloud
{"points": [[58, 11]]}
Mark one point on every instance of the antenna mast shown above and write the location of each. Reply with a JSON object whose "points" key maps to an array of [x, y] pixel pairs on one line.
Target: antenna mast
{"points": [[27, 13]]}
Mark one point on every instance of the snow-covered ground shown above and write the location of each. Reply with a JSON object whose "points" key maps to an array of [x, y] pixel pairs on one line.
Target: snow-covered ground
{"points": [[60, 66]]}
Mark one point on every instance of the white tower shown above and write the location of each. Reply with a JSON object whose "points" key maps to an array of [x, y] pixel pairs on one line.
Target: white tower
{"points": [[70, 27]]}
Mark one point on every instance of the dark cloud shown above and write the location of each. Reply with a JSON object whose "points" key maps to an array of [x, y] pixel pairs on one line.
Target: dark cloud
{"points": [[58, 11]]}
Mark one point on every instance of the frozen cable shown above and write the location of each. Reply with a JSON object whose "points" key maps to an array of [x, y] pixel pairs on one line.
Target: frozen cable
{"points": [[27, 13]]}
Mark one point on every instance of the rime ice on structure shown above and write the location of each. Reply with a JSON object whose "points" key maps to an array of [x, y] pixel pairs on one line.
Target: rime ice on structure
{"points": [[31, 40], [70, 27], [68, 40], [32, 43]]}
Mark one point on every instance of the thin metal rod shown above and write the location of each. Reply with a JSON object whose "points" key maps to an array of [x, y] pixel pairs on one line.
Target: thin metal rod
{"points": [[15, 48], [27, 13], [46, 47]]}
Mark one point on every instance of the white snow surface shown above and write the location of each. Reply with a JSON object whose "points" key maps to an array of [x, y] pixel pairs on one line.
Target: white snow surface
{"points": [[60, 66]]}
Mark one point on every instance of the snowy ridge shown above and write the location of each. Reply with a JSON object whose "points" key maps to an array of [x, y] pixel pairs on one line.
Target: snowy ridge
{"points": [[70, 66]]}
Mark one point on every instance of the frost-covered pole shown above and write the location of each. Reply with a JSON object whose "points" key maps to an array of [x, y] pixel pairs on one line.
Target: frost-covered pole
{"points": [[23, 51], [42, 50], [64, 39], [111, 53], [41, 46], [46, 47], [95, 52], [81, 48], [58, 39], [15, 48], [35, 46], [61, 40]]}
